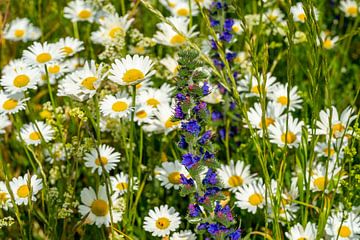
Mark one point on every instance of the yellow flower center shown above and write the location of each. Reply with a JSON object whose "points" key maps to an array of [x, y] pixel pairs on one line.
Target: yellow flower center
{"points": [[35, 136], [162, 223], [327, 44], [21, 81], [255, 199], [133, 75], [268, 122], [256, 89], [174, 177], [88, 83], [43, 57], [329, 152], [122, 186], [115, 31], [170, 124], [288, 137], [84, 14], [23, 191], [344, 232], [302, 17], [177, 40], [152, 102], [99, 208], [141, 114], [302, 238], [10, 104], [235, 181], [352, 10], [337, 129], [45, 114], [283, 100], [102, 160], [19, 33], [320, 183], [236, 28], [182, 12], [3, 197], [119, 106], [272, 17], [67, 50], [54, 69]]}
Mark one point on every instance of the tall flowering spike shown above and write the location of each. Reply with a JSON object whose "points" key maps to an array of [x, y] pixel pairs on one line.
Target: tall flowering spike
{"points": [[198, 155]]}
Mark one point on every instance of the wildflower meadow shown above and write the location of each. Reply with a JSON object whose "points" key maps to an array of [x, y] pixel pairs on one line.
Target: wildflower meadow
{"points": [[180, 119]]}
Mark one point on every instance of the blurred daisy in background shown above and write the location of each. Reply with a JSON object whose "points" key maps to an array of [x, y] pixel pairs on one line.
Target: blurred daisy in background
{"points": [[319, 176], [251, 197], [171, 65], [182, 9], [169, 174], [183, 235], [70, 46], [286, 131], [118, 106], [349, 7], [55, 70], [25, 188], [34, 133], [167, 36], [274, 15], [297, 232], [273, 112], [21, 29], [143, 114], [57, 153], [327, 41], [161, 221], [120, 183], [96, 207], [322, 149], [343, 226], [235, 175], [252, 87], [39, 54], [337, 125], [5, 200], [110, 27], [154, 97], [280, 96], [103, 156], [162, 121], [79, 10], [131, 70], [12, 103], [4, 123], [237, 27]]}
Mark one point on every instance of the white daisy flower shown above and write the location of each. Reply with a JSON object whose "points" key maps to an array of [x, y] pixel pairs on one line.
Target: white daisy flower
{"points": [[280, 96], [169, 3], [214, 97], [182, 9], [4, 123], [96, 207], [169, 174], [143, 114], [162, 122], [57, 153], [15, 66], [204, 3], [131, 70], [34, 133], [20, 80], [342, 226], [235, 175], [298, 12], [5, 200], [253, 86], [237, 27], [143, 85], [110, 27], [161, 221], [154, 97], [55, 70], [118, 106], [251, 196], [79, 10], [337, 125], [273, 112], [183, 235], [319, 175], [21, 29], [83, 83], [40, 54], [25, 188], [70, 46], [291, 135], [167, 36], [322, 150], [274, 15], [11, 103], [108, 159], [297, 232], [327, 41], [120, 183], [349, 7], [171, 64]]}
